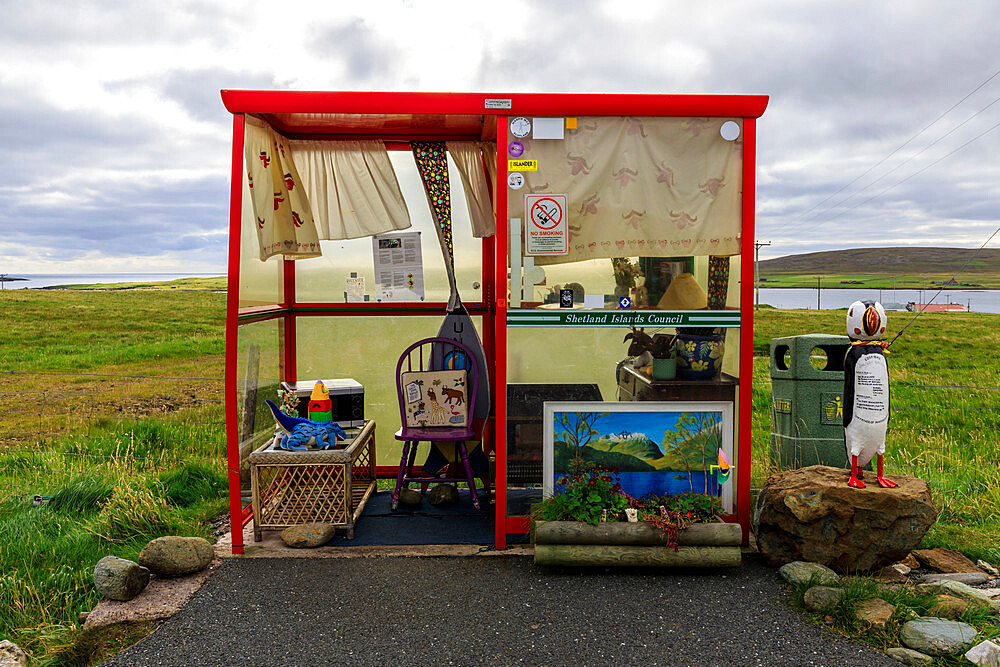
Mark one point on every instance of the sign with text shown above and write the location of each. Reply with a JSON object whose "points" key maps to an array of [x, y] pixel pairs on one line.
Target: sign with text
{"points": [[624, 318], [546, 225]]}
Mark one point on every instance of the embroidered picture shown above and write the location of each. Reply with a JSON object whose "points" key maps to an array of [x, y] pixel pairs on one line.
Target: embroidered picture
{"points": [[436, 398]]}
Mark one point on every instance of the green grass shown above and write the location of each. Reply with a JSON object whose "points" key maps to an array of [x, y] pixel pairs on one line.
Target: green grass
{"points": [[182, 284]]}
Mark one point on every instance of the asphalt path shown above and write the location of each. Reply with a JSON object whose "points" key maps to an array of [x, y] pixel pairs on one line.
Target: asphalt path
{"points": [[489, 610]]}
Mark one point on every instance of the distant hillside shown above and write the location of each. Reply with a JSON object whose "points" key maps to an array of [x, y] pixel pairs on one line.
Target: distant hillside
{"points": [[882, 261]]}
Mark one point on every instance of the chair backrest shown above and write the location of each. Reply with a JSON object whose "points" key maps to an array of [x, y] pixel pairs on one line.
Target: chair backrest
{"points": [[437, 354]]}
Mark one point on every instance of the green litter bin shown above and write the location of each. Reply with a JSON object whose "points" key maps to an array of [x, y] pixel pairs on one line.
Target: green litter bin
{"points": [[807, 385]]}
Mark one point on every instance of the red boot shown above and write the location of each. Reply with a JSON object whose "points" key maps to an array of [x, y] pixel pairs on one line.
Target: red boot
{"points": [[854, 481], [882, 481]]}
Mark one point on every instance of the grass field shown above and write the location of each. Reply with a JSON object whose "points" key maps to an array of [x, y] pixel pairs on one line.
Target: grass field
{"points": [[134, 449]]}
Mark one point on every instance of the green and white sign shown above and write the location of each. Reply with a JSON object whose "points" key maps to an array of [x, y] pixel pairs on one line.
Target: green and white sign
{"points": [[623, 318]]}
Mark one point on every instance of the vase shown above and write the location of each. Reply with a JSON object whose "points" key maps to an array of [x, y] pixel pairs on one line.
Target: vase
{"points": [[664, 369], [699, 357]]}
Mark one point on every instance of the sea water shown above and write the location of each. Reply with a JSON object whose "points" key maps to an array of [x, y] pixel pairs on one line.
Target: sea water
{"points": [[36, 280]]}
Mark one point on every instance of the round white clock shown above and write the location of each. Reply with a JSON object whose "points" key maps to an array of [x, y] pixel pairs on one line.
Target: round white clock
{"points": [[520, 126]]}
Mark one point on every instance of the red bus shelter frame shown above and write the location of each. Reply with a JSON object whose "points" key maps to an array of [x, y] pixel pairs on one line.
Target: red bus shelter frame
{"points": [[318, 115]]}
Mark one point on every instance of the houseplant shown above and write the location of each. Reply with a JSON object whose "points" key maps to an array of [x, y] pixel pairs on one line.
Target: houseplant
{"points": [[699, 352], [664, 361]]}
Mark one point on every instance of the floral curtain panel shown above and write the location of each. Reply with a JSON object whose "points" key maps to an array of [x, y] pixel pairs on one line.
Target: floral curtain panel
{"points": [[642, 186], [352, 187], [469, 158], [284, 219]]}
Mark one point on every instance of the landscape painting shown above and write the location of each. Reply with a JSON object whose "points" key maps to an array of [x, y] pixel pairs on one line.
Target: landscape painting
{"points": [[656, 447]]}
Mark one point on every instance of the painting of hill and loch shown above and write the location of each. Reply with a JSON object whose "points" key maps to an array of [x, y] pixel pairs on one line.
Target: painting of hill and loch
{"points": [[661, 448]]}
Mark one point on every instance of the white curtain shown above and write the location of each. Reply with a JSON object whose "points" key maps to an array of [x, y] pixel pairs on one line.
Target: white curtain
{"points": [[284, 219], [352, 188], [469, 157]]}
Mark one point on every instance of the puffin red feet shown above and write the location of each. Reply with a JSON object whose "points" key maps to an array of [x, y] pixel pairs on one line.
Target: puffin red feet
{"points": [[883, 481], [854, 481]]}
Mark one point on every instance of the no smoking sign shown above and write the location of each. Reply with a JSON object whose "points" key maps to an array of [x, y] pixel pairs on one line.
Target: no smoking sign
{"points": [[545, 228]]}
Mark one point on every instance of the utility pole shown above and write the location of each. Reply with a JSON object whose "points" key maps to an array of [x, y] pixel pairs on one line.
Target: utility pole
{"points": [[756, 272], [3, 279], [817, 292]]}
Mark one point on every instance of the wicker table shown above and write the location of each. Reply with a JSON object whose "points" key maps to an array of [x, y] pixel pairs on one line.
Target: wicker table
{"points": [[325, 486]]}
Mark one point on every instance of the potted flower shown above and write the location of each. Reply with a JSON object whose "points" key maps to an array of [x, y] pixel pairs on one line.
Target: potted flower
{"points": [[591, 521], [699, 352]]}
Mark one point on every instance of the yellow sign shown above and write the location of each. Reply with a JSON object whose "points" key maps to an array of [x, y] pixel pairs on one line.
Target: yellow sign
{"points": [[782, 405], [522, 165]]}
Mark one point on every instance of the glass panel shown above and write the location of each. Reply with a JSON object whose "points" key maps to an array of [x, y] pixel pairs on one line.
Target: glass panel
{"points": [[322, 279], [366, 349], [615, 210], [260, 282], [258, 348]]}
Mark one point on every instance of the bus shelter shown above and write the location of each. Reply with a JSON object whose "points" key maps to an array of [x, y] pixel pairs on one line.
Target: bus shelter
{"points": [[574, 220]]}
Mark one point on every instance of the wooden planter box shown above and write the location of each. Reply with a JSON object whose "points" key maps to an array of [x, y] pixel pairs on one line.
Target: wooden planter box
{"points": [[636, 544]]}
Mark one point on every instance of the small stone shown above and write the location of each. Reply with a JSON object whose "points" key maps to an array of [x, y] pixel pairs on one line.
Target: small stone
{"points": [[944, 560], [987, 568], [174, 556], [442, 495], [949, 606], [410, 498], [970, 578], [911, 562], [902, 568], [890, 575], [875, 611], [119, 579], [820, 598], [937, 636], [828, 620], [82, 618], [986, 654], [800, 572], [11, 655], [308, 535], [956, 588], [909, 656]]}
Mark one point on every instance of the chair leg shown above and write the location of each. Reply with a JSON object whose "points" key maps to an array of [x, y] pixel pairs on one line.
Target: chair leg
{"points": [[401, 474], [468, 474]]}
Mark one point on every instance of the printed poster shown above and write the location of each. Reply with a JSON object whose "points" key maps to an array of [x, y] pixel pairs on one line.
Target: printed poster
{"points": [[399, 272]]}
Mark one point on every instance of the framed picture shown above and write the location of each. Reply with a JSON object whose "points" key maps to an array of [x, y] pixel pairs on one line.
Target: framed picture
{"points": [[657, 447]]}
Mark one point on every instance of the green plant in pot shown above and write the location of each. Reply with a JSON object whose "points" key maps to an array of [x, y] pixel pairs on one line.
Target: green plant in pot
{"points": [[699, 352], [664, 358]]}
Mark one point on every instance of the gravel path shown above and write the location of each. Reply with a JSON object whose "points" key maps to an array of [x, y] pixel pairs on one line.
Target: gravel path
{"points": [[488, 610]]}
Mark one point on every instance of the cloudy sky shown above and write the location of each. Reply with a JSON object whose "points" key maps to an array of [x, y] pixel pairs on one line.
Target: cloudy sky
{"points": [[115, 143]]}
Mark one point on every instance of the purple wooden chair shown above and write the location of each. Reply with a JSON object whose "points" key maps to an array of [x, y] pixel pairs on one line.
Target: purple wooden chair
{"points": [[435, 354]]}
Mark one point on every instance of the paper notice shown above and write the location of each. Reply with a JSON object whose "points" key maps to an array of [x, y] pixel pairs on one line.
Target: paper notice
{"points": [[399, 274]]}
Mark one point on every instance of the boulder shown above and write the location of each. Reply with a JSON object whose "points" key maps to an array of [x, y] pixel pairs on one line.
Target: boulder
{"points": [[11, 655], [798, 572], [908, 656], [119, 579], [174, 556], [986, 654], [876, 612], [944, 560], [949, 606], [410, 498], [968, 578], [958, 589], [819, 598], [811, 514], [308, 535], [442, 495], [987, 568], [937, 636]]}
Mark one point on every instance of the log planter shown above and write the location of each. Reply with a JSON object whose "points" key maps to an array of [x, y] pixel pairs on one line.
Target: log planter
{"points": [[635, 545]]}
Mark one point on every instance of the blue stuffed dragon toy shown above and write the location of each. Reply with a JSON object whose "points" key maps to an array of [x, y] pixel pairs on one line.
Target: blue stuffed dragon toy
{"points": [[301, 433]]}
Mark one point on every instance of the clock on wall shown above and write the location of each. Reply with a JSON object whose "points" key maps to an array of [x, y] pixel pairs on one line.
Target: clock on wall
{"points": [[520, 126]]}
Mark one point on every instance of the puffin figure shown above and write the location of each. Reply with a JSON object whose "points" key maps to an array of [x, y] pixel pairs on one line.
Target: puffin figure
{"points": [[866, 390]]}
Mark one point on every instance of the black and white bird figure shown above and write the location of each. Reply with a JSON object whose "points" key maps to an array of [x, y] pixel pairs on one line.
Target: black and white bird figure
{"points": [[866, 390]]}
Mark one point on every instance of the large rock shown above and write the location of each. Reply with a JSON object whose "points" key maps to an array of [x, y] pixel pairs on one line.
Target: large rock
{"points": [[986, 654], [821, 598], [174, 556], [944, 560], [968, 578], [811, 514], [11, 655], [119, 579], [908, 656], [308, 536], [799, 572], [937, 636], [949, 606]]}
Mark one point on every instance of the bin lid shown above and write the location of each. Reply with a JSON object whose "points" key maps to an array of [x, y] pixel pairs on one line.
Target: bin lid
{"points": [[793, 357]]}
